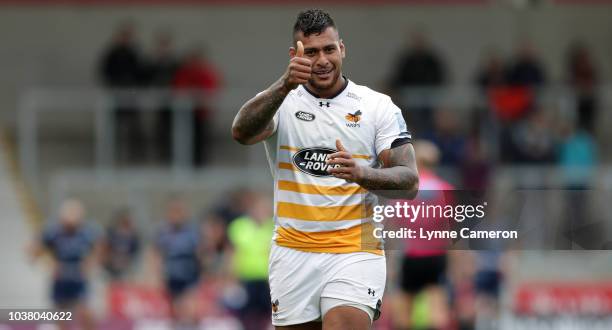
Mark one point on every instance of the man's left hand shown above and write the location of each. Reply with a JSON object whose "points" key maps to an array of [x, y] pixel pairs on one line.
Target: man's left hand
{"points": [[348, 169]]}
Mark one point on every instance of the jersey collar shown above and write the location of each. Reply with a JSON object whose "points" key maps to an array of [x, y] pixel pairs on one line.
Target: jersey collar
{"points": [[346, 82]]}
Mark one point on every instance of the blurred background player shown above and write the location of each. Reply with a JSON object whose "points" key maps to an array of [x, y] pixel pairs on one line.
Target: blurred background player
{"points": [[423, 266], [250, 237], [122, 245], [74, 249], [178, 250]]}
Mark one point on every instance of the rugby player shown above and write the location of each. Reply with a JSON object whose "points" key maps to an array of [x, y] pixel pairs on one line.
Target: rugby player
{"points": [[178, 247], [330, 142], [74, 247], [423, 266]]}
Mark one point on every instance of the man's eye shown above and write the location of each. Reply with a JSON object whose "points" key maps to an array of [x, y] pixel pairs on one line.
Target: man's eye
{"points": [[309, 53], [330, 50]]}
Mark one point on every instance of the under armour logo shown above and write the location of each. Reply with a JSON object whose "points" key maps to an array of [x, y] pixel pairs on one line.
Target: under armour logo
{"points": [[321, 104], [371, 292]]}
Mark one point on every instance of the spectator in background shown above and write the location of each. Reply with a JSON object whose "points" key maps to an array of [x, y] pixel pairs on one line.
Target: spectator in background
{"points": [[74, 249], [121, 245], [424, 262], [524, 75], [178, 247], [515, 104], [577, 159], [250, 237], [121, 68], [583, 78], [216, 244], [234, 205], [162, 65], [199, 78], [492, 72], [418, 67], [447, 136], [484, 126], [161, 69], [121, 63], [477, 164], [533, 140], [517, 98], [577, 156], [231, 206], [526, 69]]}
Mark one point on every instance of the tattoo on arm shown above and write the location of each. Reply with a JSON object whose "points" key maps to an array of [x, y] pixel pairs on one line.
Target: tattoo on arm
{"points": [[253, 122], [399, 174]]}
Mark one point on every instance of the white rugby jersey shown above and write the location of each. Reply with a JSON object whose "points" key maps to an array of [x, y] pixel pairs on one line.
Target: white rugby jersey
{"points": [[315, 211]]}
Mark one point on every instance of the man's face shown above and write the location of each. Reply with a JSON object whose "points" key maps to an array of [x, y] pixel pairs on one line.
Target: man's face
{"points": [[176, 213], [326, 52], [71, 214]]}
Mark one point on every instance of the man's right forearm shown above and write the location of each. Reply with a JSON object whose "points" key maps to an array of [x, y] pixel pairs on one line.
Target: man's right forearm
{"points": [[255, 116], [253, 122]]}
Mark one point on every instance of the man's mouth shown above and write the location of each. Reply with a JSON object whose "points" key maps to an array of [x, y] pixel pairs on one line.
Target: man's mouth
{"points": [[323, 74]]}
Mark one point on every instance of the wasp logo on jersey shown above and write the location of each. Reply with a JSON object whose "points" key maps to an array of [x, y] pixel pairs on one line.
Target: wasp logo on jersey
{"points": [[353, 119], [305, 116], [312, 161]]}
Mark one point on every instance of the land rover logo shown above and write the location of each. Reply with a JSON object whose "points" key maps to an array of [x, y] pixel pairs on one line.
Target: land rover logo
{"points": [[305, 116], [312, 160]]}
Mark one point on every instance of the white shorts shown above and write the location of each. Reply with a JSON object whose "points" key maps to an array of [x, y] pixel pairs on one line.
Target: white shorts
{"points": [[305, 285]]}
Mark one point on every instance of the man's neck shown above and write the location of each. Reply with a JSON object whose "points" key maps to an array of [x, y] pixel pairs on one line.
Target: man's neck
{"points": [[328, 92]]}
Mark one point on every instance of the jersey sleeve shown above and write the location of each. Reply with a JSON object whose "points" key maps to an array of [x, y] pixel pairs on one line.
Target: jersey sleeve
{"points": [[275, 121], [390, 127]]}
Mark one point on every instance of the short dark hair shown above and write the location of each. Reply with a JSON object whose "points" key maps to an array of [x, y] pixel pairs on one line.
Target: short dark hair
{"points": [[312, 21]]}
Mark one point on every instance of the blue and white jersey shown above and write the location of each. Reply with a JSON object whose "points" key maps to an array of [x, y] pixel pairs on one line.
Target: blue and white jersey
{"points": [[69, 248], [179, 246]]}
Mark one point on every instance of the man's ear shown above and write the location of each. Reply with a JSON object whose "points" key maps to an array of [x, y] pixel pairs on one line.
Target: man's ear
{"points": [[342, 49], [292, 52]]}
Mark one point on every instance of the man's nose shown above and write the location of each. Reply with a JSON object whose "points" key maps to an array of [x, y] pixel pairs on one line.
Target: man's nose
{"points": [[322, 60]]}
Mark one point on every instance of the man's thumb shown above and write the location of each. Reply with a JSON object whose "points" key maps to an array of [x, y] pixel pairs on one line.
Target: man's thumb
{"points": [[339, 145], [300, 49]]}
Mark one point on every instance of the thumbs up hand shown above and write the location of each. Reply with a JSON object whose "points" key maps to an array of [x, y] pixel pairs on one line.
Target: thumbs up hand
{"points": [[299, 69]]}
